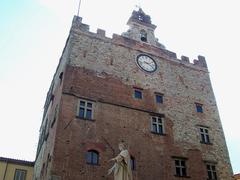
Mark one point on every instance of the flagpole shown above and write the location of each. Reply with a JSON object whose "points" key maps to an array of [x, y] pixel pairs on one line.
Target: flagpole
{"points": [[79, 5]]}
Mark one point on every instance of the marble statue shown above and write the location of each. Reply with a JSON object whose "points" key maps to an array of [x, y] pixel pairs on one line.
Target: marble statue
{"points": [[122, 166]]}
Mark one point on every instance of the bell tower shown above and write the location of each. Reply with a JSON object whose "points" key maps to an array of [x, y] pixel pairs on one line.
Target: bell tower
{"points": [[141, 29]]}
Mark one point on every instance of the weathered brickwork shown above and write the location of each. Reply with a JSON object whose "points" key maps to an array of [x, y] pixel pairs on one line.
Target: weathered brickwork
{"points": [[104, 71]]}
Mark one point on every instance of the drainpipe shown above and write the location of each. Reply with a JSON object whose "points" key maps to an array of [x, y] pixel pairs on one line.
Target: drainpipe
{"points": [[5, 172]]}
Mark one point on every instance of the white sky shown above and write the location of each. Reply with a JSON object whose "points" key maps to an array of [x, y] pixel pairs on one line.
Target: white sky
{"points": [[33, 34]]}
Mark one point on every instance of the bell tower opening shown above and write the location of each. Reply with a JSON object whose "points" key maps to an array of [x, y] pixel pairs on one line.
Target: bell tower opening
{"points": [[143, 35], [141, 29]]}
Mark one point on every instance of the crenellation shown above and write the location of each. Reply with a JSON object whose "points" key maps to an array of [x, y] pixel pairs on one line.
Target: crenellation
{"points": [[84, 27], [185, 59], [77, 20], [170, 54], [202, 61], [77, 23], [101, 32], [126, 41], [196, 62]]}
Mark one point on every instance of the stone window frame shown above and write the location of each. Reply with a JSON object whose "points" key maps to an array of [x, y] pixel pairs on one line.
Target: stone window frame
{"points": [[90, 154], [204, 134], [47, 129], [160, 95], [20, 174], [85, 108], [182, 167], [55, 116], [135, 89], [199, 107], [133, 162], [61, 77], [211, 170], [159, 122]]}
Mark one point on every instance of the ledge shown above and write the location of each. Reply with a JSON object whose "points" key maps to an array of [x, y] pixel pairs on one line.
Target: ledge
{"points": [[96, 165], [85, 119], [160, 134], [182, 176], [209, 143], [114, 104]]}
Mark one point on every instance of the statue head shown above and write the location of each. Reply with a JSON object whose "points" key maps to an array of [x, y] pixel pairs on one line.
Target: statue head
{"points": [[122, 146]]}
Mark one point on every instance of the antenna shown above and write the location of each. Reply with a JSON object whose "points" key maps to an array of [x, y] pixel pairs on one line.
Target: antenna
{"points": [[79, 5], [139, 4]]}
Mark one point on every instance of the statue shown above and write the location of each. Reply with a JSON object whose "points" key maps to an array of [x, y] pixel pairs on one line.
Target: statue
{"points": [[122, 166]]}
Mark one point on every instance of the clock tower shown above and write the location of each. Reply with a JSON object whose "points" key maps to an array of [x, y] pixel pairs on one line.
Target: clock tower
{"points": [[129, 88], [141, 29]]}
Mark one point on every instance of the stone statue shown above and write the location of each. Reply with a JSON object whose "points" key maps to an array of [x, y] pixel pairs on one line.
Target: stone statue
{"points": [[122, 166]]}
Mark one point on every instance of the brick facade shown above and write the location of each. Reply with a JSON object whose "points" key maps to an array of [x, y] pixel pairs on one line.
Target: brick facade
{"points": [[104, 72]]}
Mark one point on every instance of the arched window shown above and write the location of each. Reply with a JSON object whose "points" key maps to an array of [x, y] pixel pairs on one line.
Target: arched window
{"points": [[92, 157], [133, 163], [143, 35]]}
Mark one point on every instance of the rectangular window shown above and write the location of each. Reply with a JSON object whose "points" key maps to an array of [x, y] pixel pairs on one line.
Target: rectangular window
{"points": [[157, 125], [199, 108], [20, 174], [204, 133], [180, 167], [138, 94], [55, 116], [47, 130], [159, 98], [133, 163], [85, 110], [211, 171]]}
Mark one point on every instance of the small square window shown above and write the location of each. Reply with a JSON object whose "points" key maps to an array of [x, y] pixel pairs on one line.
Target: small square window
{"points": [[138, 94], [199, 108], [159, 98]]}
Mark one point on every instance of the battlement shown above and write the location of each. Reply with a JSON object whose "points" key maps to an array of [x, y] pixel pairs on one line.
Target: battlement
{"points": [[77, 26]]}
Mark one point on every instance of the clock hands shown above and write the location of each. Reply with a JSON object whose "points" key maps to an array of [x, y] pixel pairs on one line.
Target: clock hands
{"points": [[148, 64]]}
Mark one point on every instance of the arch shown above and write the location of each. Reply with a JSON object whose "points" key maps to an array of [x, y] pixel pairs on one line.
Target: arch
{"points": [[143, 35], [92, 157]]}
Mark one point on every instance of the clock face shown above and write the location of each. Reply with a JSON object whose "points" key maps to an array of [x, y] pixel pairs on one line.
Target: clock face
{"points": [[146, 63]]}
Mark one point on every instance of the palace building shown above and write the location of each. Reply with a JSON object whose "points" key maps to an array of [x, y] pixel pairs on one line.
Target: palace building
{"points": [[130, 88]]}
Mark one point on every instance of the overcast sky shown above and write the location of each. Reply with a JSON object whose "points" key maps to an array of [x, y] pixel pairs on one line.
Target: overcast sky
{"points": [[33, 34]]}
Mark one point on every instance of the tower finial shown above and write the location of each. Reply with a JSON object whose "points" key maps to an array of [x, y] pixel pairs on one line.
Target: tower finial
{"points": [[138, 6]]}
